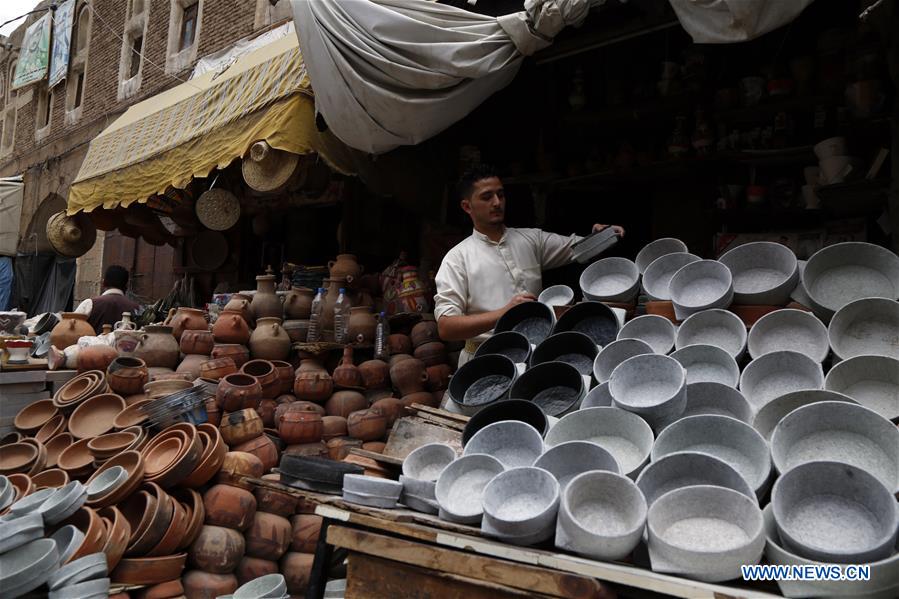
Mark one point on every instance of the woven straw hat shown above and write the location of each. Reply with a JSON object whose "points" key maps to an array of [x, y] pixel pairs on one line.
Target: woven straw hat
{"points": [[71, 236], [266, 169], [218, 209]]}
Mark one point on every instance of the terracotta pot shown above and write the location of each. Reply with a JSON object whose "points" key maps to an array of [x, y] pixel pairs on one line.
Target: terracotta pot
{"points": [[237, 352], [96, 357], [375, 374], [424, 332], [229, 506], [308, 449], [266, 411], [297, 569], [439, 376], [374, 446], [298, 303], [69, 329], [305, 529], [409, 376], [333, 426], [344, 403], [263, 448], [251, 568], [217, 549], [274, 501], [397, 358], [297, 330], [312, 382], [391, 407], [268, 537], [118, 533], [345, 269], [397, 343], [217, 368], [205, 585], [213, 412], [231, 327], [199, 341], [431, 353], [347, 375], [266, 303], [241, 426], [339, 447], [236, 466], [421, 397], [163, 590], [269, 340], [367, 425], [157, 347], [238, 391], [285, 372], [127, 376], [241, 303], [297, 426], [190, 365], [188, 319], [264, 372], [361, 326]]}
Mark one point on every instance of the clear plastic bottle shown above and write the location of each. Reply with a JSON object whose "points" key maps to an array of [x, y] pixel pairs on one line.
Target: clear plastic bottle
{"points": [[341, 316], [312, 335], [382, 330]]}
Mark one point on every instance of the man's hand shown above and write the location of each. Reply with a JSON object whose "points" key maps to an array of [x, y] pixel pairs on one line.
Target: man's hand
{"points": [[519, 299], [619, 230]]}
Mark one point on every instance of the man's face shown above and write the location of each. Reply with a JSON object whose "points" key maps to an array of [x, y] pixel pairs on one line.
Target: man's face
{"points": [[487, 203]]}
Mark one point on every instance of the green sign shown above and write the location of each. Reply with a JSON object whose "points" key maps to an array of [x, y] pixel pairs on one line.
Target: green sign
{"points": [[35, 53]]}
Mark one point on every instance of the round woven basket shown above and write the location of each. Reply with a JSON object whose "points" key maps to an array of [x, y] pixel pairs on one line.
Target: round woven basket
{"points": [[266, 169], [218, 209], [71, 236]]}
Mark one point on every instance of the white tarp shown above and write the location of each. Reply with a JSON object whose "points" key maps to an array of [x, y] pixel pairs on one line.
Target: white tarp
{"points": [[12, 193], [729, 21]]}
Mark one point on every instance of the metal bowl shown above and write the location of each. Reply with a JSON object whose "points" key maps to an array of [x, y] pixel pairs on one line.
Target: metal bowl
{"points": [[779, 373], [570, 347], [510, 344], [652, 386], [657, 276], [764, 273], [772, 412], [594, 319], [717, 327], [790, 330], [532, 319], [708, 364], [701, 286], [872, 381], [868, 327], [610, 280], [656, 249], [687, 469], [557, 295], [657, 331], [514, 443], [520, 505], [556, 387], [567, 460], [482, 381], [460, 488], [614, 354]]}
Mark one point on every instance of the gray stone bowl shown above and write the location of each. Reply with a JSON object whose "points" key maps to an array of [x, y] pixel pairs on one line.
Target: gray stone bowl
{"points": [[31, 503], [779, 373], [614, 354], [89, 589], [845, 272], [837, 431], [107, 481], [610, 280], [720, 328], [771, 414], [420, 504], [652, 386], [460, 488], [418, 488], [475, 374], [557, 295], [657, 331], [789, 330], [570, 347], [708, 364], [725, 438], [428, 461], [704, 532], [718, 399], [269, 586], [686, 469], [67, 500], [701, 286], [594, 319], [656, 249], [557, 387], [19, 531], [657, 276], [623, 434], [370, 499], [872, 381], [598, 396], [835, 513], [799, 294], [521, 503], [67, 539], [764, 273], [510, 344], [28, 567], [567, 460], [372, 485], [865, 327], [85, 568], [601, 516], [532, 319], [514, 443]]}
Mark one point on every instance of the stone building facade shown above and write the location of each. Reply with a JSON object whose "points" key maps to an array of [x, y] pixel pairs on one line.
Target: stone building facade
{"points": [[123, 52]]}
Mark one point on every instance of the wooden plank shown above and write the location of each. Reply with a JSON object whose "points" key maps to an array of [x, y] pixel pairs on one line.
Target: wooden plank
{"points": [[410, 433], [378, 457], [451, 424], [460, 418], [519, 576]]}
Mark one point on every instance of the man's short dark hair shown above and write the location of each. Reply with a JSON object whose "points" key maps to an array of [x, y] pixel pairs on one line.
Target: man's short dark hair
{"points": [[472, 175], [116, 276]]}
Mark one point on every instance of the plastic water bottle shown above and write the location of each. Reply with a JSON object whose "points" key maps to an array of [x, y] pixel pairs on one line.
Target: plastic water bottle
{"points": [[381, 332], [312, 335], [341, 317]]}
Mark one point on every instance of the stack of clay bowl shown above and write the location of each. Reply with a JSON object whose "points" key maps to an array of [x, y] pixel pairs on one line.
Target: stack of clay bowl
{"points": [[82, 387], [108, 445], [172, 455]]}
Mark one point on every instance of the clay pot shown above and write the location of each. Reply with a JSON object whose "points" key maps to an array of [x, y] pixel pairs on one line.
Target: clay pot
{"points": [[397, 358], [231, 327], [238, 391], [263, 448], [398, 343], [96, 357], [236, 466], [230, 507], [391, 407], [424, 332], [326, 319], [217, 549], [69, 329], [268, 536], [367, 425], [266, 303], [266, 411], [374, 446], [431, 353], [312, 383], [333, 426], [361, 326], [213, 412], [347, 375], [439, 376], [187, 319], [375, 374], [264, 372], [127, 376], [240, 303], [269, 340], [190, 365], [344, 403], [305, 529], [237, 352], [274, 501], [251, 568], [409, 376], [421, 397], [298, 303], [308, 449], [297, 570], [339, 447], [297, 330], [199, 341], [217, 368], [241, 426], [345, 269], [206, 585], [285, 372], [297, 426], [157, 347]]}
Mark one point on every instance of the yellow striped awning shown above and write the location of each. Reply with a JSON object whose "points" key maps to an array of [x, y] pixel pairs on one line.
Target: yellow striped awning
{"points": [[203, 124]]}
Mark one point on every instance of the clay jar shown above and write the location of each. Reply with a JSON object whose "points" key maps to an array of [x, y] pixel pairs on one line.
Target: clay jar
{"points": [[397, 343], [236, 466], [217, 549], [215, 369], [345, 269], [305, 532], [197, 342], [241, 426], [391, 407], [266, 411], [266, 303], [240, 303], [347, 375], [263, 448], [361, 326], [268, 537], [127, 376], [300, 426], [199, 584], [251, 568], [439, 376], [269, 340], [332, 427], [367, 425], [326, 319], [264, 372], [188, 319], [239, 353], [422, 397], [96, 357], [231, 507], [297, 569], [285, 373], [190, 365], [157, 347], [298, 303], [424, 332], [409, 376], [312, 382], [431, 353], [231, 327], [375, 374], [344, 403], [339, 447], [238, 392], [70, 328]]}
